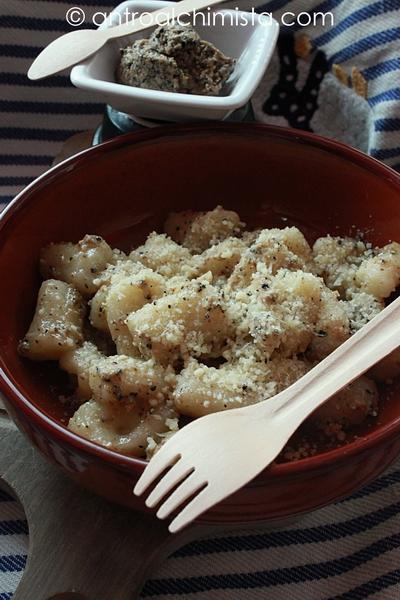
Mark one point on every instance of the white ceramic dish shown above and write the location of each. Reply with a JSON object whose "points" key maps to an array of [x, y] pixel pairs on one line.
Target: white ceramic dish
{"points": [[251, 43]]}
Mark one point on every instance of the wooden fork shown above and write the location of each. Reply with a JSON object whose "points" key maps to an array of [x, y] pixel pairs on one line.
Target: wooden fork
{"points": [[215, 455]]}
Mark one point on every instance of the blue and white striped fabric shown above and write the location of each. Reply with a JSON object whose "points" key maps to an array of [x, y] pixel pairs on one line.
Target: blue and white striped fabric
{"points": [[366, 35], [347, 551], [13, 544], [35, 118]]}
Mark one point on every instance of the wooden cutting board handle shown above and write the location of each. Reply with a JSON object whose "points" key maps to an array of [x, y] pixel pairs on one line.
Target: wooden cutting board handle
{"points": [[81, 547]]}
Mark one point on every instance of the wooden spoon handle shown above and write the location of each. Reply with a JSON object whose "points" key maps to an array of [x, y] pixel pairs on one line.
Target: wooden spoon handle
{"points": [[80, 546], [160, 16]]}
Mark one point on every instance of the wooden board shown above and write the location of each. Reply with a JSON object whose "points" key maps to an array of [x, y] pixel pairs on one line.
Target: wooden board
{"points": [[81, 547], [79, 544]]}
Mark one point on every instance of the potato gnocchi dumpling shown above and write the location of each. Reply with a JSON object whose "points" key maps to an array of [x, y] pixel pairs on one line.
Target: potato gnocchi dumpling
{"points": [[379, 275], [202, 318], [283, 318], [77, 362], [351, 406], [201, 389], [78, 264], [57, 325], [353, 266], [274, 249], [198, 231], [219, 260], [191, 321], [116, 380], [128, 429], [125, 297], [161, 254], [332, 326]]}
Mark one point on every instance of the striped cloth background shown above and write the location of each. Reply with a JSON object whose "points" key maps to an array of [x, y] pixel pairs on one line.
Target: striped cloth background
{"points": [[35, 118], [348, 551]]}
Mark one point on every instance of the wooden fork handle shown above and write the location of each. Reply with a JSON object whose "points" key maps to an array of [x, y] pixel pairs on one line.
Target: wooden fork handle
{"points": [[359, 353]]}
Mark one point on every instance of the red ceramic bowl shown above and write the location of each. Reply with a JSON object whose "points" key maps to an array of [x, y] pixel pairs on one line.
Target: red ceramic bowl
{"points": [[122, 190]]}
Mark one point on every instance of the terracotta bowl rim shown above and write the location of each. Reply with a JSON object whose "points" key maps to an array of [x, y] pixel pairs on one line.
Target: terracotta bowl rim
{"points": [[20, 401]]}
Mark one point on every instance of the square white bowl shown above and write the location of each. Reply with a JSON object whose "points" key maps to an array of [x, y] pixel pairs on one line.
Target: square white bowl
{"points": [[251, 44]]}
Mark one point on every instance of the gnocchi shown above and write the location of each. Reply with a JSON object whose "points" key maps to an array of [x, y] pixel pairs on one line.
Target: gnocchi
{"points": [[57, 325], [202, 318], [77, 264]]}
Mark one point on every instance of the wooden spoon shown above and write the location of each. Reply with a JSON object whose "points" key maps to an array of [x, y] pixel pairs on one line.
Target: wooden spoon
{"points": [[74, 47]]}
